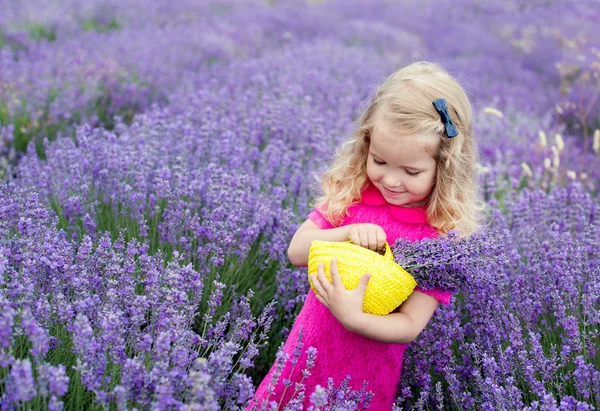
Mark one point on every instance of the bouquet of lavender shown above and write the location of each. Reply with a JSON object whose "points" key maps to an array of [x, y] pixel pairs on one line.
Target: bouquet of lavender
{"points": [[450, 262]]}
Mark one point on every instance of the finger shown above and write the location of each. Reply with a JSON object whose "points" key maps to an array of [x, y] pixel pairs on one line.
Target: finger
{"points": [[317, 285], [372, 240], [313, 282], [380, 240], [381, 237], [325, 284], [322, 300], [336, 279], [354, 237], [323, 281], [361, 287], [363, 237], [364, 281]]}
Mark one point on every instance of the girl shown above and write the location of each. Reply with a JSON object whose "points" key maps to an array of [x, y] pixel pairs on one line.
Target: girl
{"points": [[407, 171]]}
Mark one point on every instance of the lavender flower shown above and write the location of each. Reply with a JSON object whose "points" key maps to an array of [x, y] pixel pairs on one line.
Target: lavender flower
{"points": [[20, 385], [449, 262], [52, 380], [319, 397]]}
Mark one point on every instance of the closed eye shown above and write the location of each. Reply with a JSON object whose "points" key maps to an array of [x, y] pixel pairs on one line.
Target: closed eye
{"points": [[410, 173]]}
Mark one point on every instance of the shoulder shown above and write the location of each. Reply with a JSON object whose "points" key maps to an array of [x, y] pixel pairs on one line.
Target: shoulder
{"points": [[319, 216]]}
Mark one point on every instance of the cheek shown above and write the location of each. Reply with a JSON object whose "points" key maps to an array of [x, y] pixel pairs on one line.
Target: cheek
{"points": [[373, 173], [421, 185], [430, 183]]}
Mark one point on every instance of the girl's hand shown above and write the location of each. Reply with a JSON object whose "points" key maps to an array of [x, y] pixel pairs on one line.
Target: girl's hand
{"points": [[345, 305], [369, 236]]}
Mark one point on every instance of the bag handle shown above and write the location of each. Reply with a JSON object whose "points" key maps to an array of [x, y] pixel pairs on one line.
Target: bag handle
{"points": [[386, 252]]}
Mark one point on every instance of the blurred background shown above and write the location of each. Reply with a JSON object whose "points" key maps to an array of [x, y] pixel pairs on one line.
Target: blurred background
{"points": [[156, 157]]}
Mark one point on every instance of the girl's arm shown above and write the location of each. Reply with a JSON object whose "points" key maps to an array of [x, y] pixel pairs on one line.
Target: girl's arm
{"points": [[398, 327], [306, 234]]}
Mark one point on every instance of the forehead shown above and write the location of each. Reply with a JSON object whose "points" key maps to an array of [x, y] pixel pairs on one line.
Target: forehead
{"points": [[393, 144]]}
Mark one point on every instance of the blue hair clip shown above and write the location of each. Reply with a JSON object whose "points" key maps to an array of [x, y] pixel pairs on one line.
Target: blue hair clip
{"points": [[442, 108]]}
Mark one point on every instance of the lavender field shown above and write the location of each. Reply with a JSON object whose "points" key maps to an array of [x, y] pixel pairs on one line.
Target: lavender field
{"points": [[156, 158]]}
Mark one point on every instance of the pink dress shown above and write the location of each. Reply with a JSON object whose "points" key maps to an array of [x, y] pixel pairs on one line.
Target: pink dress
{"points": [[341, 352]]}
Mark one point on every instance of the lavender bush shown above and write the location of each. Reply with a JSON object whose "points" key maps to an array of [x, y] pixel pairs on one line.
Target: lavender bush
{"points": [[120, 318], [525, 335], [111, 324], [142, 252]]}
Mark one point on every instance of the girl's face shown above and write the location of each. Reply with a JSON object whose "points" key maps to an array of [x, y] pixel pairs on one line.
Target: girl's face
{"points": [[402, 166]]}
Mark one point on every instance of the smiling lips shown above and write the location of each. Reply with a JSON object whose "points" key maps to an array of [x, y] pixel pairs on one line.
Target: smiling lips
{"points": [[392, 193]]}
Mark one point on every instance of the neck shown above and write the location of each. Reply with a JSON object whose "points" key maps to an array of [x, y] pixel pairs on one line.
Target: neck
{"points": [[417, 204]]}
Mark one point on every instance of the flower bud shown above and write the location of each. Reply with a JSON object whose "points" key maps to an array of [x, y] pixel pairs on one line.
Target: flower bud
{"points": [[543, 139], [526, 169], [560, 143], [546, 163], [493, 111], [481, 169]]}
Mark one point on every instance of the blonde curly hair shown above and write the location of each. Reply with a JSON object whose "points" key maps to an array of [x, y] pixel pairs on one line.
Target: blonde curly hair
{"points": [[405, 101]]}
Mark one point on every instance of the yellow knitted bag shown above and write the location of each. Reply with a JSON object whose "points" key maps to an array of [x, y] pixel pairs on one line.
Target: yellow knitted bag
{"points": [[389, 285]]}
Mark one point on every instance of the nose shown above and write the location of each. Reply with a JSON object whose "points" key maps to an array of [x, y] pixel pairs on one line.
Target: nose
{"points": [[392, 181]]}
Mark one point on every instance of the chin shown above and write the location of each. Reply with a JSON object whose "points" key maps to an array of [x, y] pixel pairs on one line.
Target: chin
{"points": [[397, 201], [411, 202]]}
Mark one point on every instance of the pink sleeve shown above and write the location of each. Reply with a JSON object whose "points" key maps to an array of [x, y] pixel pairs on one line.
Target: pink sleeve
{"points": [[319, 219], [443, 297]]}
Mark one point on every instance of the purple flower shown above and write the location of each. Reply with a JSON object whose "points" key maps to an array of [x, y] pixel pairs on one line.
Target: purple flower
{"points": [[450, 262], [52, 380], [20, 385], [319, 397]]}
